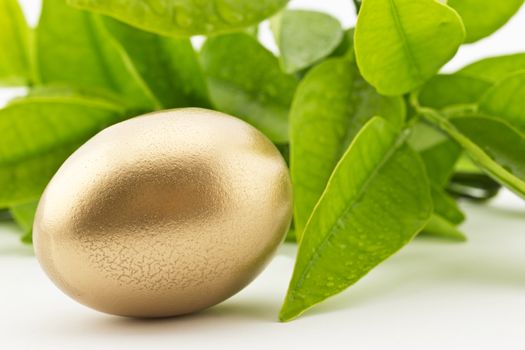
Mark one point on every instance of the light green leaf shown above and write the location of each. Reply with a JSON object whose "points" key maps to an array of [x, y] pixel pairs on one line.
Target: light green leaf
{"points": [[376, 201], [14, 45], [39, 133], [250, 85], [493, 144], [186, 17], [494, 69], [506, 100], [450, 90], [330, 106], [169, 66], [305, 37], [24, 214], [440, 227], [400, 44], [484, 17], [75, 49]]}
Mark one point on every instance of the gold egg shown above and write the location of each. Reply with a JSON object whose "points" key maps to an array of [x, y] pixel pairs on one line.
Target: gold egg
{"points": [[164, 214]]}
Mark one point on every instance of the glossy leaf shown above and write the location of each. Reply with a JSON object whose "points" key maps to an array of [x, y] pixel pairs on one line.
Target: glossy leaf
{"points": [[484, 17], [305, 37], [186, 17], [75, 49], [14, 45], [168, 66], [493, 144], [450, 90], [400, 44], [494, 69], [376, 201], [506, 100], [39, 133], [250, 85], [331, 105]]}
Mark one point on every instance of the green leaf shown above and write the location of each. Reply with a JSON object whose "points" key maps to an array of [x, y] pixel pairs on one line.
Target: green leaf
{"points": [[440, 227], [169, 66], [186, 17], [438, 152], [450, 90], [5, 215], [250, 85], [473, 185], [39, 133], [75, 49], [494, 145], [484, 17], [330, 106], [445, 206], [494, 69], [400, 44], [305, 37], [376, 201], [506, 100], [346, 46], [24, 214], [14, 45]]}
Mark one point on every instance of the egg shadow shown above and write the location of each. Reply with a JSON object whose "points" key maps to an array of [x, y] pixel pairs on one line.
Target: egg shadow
{"points": [[236, 314]]}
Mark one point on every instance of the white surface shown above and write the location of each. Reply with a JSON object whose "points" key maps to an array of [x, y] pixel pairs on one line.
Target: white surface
{"points": [[432, 295]]}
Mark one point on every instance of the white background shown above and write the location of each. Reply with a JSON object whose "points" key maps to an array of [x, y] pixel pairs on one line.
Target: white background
{"points": [[432, 295]]}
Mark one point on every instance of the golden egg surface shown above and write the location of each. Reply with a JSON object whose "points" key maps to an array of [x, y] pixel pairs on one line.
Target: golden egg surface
{"points": [[164, 214]]}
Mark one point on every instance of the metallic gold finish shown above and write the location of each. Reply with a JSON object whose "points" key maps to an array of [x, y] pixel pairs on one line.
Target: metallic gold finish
{"points": [[164, 214]]}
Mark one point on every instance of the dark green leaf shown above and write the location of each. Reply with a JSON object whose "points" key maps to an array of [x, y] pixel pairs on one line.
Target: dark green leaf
{"points": [[400, 44], [484, 17], [14, 45], [75, 49], [5, 215], [305, 37], [169, 66], [375, 202], [245, 80], [186, 17], [330, 106], [39, 133], [494, 69], [473, 186]]}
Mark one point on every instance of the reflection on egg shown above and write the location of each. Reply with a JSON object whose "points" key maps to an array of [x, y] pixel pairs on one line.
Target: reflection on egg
{"points": [[164, 214]]}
